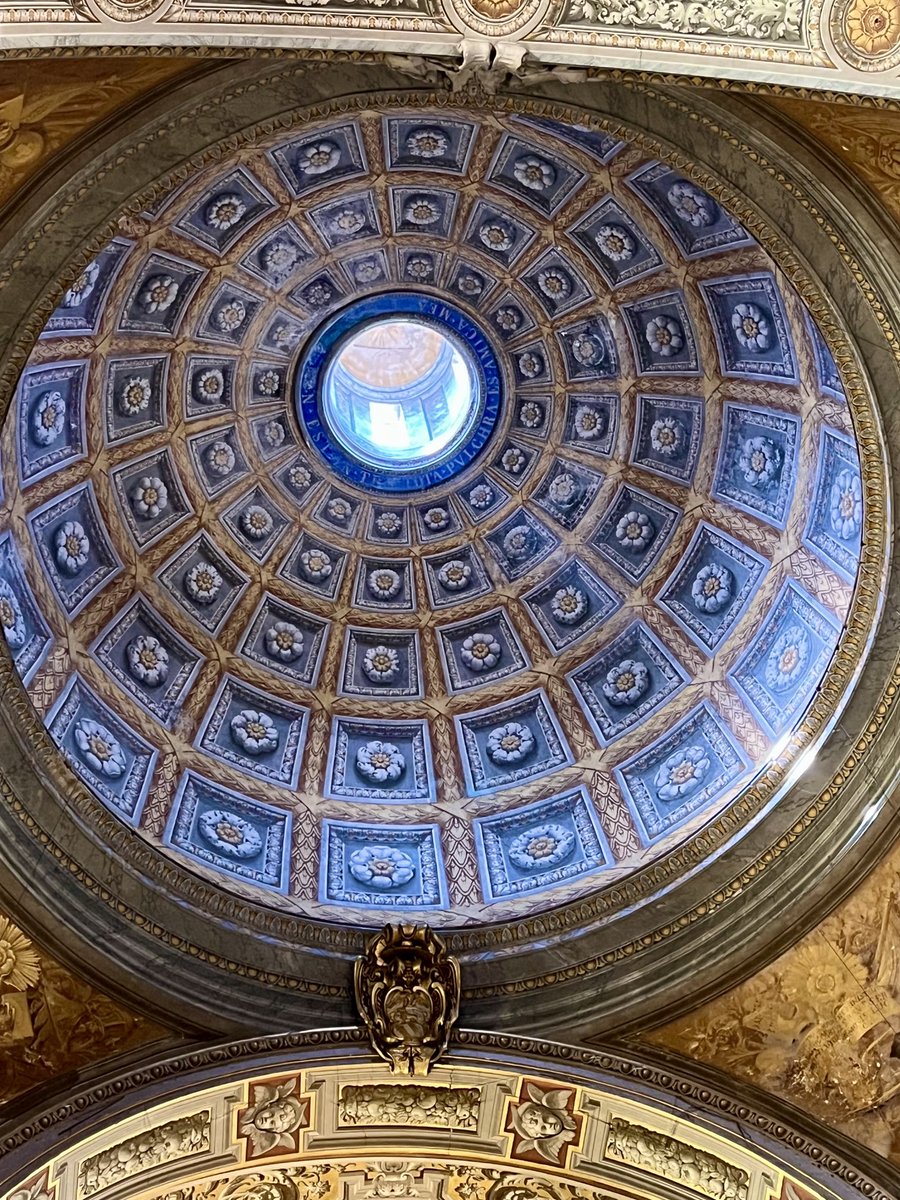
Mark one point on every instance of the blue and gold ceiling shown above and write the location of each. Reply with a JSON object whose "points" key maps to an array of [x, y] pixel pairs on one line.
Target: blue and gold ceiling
{"points": [[581, 641]]}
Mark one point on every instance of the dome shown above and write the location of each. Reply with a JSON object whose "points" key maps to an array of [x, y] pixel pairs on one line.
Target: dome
{"points": [[443, 514]]}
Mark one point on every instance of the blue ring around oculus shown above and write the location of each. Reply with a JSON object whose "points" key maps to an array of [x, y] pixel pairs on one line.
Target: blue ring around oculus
{"points": [[331, 443]]}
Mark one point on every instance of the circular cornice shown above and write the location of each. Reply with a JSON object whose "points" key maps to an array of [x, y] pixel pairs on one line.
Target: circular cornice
{"points": [[805, 816]]}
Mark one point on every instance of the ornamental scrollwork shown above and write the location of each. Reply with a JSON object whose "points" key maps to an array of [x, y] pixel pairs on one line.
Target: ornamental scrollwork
{"points": [[407, 993]]}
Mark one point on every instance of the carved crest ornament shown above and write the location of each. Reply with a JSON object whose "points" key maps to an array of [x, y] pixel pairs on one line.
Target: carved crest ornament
{"points": [[407, 993]]}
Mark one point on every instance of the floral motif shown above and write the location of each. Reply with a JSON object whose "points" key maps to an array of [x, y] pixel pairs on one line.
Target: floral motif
{"points": [[317, 295], [541, 846], [135, 394], [299, 476], [318, 158], [49, 418], [210, 384], [274, 433], [388, 524], [316, 565], [455, 575], [79, 291], [470, 283], [759, 461], [231, 315], [509, 319], [203, 583], [384, 583], [569, 605], [667, 436], [72, 547], [257, 522], [11, 617], [712, 588], [150, 497], [279, 258], [751, 327], [147, 659], [436, 518], [254, 732], [615, 243], [421, 211], [531, 415], [480, 651], [691, 205], [282, 336], [634, 530], [283, 641], [346, 223], [588, 423], [664, 336], [626, 682], [367, 272], [846, 504], [534, 173], [530, 364], [787, 659], [159, 293], [229, 833], [419, 268], [588, 349], [339, 509], [381, 867], [481, 496], [566, 489], [381, 664], [872, 27], [268, 382], [497, 235], [426, 142], [518, 543], [220, 459], [514, 460], [554, 283], [224, 212], [681, 773], [99, 748], [510, 743], [20, 967], [382, 762]]}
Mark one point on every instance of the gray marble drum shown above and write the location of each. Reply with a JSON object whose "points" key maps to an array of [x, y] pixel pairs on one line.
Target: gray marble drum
{"points": [[470, 703]]}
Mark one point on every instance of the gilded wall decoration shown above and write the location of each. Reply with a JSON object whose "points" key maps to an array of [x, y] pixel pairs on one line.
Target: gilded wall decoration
{"points": [[820, 1027], [867, 140], [41, 111], [51, 1022]]}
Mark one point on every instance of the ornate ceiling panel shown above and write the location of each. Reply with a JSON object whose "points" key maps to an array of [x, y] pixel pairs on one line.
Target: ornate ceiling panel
{"points": [[483, 699]]}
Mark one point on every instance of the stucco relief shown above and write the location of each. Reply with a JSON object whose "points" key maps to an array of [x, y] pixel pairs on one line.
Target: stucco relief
{"points": [[155, 1147], [650, 1150]]}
